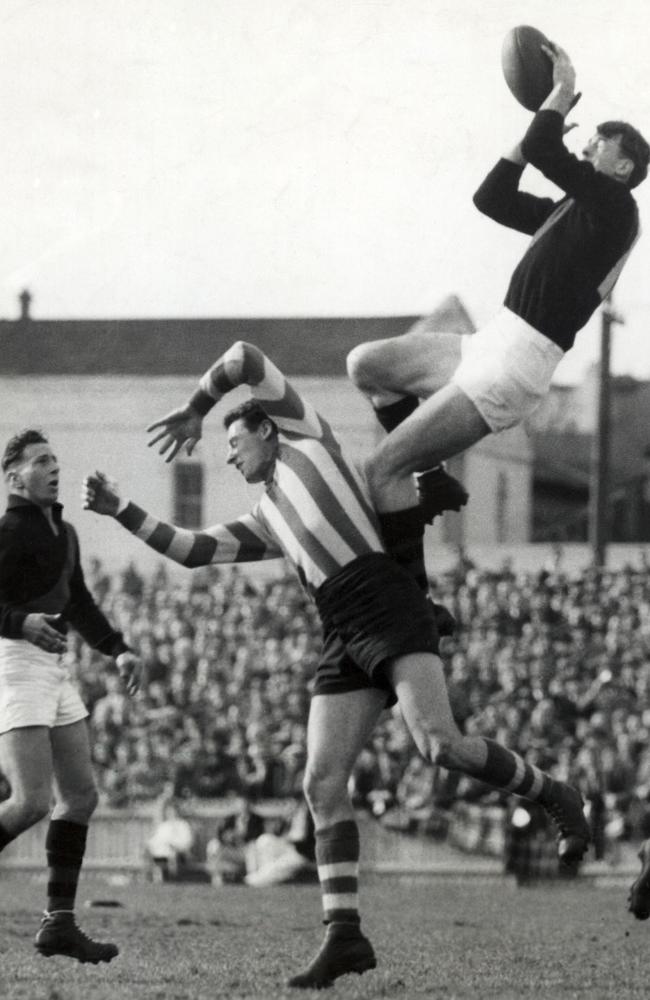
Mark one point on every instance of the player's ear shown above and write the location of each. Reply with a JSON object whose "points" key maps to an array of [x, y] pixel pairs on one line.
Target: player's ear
{"points": [[267, 429], [624, 168]]}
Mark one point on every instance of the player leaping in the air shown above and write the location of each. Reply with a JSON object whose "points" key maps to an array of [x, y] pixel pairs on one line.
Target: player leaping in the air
{"points": [[493, 379], [380, 638]]}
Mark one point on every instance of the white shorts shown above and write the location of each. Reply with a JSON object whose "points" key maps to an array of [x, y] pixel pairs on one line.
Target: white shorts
{"points": [[35, 688], [506, 369]]}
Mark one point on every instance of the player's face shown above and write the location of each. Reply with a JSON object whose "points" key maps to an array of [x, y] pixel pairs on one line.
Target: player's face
{"points": [[604, 153], [251, 452], [36, 475]]}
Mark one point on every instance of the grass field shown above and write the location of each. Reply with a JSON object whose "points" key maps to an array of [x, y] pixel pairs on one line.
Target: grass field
{"points": [[434, 937]]}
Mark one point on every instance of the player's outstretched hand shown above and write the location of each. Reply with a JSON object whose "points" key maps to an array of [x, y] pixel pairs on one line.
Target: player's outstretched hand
{"points": [[130, 669], [563, 69], [178, 428], [100, 494]]}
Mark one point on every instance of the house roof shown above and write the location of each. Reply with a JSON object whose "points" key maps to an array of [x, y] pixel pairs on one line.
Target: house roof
{"points": [[184, 346]]}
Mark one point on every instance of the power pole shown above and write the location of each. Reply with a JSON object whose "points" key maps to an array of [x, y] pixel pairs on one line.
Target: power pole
{"points": [[600, 472]]}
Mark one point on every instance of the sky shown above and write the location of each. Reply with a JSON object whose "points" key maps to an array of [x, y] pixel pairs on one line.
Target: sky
{"points": [[193, 158]]}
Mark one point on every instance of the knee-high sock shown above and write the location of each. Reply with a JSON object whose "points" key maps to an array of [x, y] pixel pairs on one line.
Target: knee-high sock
{"points": [[403, 534], [392, 415], [337, 860], [507, 770], [65, 846], [5, 837]]}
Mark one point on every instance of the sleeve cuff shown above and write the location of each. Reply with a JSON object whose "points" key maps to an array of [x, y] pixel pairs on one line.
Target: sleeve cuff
{"points": [[202, 402]]}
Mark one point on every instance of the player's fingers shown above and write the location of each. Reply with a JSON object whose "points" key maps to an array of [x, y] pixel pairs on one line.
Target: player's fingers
{"points": [[158, 423], [158, 437], [167, 421], [175, 448]]}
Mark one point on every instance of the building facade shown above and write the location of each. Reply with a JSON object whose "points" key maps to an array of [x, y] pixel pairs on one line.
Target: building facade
{"points": [[94, 386]]}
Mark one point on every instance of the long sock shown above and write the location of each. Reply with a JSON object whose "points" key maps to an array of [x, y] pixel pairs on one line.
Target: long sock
{"points": [[337, 860], [65, 845], [391, 416], [507, 770], [5, 837], [403, 534]]}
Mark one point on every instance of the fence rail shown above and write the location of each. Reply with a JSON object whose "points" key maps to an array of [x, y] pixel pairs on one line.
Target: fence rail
{"points": [[117, 839]]}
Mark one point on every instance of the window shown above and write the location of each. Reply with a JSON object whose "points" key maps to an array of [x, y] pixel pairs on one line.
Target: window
{"points": [[502, 512], [188, 494]]}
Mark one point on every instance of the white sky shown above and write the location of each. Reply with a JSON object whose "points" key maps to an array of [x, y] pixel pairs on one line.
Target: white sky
{"points": [[270, 157]]}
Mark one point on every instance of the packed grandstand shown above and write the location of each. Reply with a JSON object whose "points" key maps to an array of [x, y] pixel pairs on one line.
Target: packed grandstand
{"points": [[555, 664]]}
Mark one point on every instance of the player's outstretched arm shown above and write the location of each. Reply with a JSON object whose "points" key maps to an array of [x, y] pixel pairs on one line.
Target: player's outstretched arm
{"points": [[241, 364], [180, 427], [244, 540]]}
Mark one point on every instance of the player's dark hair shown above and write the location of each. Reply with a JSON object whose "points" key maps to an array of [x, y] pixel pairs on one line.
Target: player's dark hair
{"points": [[632, 144], [17, 444], [251, 412]]}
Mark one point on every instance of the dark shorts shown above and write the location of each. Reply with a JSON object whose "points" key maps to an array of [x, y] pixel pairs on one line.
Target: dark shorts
{"points": [[372, 612]]}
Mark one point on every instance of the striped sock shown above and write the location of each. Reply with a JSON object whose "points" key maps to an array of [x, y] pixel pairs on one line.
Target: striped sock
{"points": [[507, 770], [391, 416], [65, 845], [337, 859], [5, 837], [403, 535]]}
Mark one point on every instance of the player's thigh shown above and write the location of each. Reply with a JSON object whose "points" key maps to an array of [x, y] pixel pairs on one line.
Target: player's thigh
{"points": [[419, 362], [339, 727], [442, 426], [421, 689], [26, 762], [72, 762]]}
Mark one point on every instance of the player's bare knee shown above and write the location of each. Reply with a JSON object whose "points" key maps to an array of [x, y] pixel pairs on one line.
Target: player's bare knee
{"points": [[367, 366], [379, 473], [29, 810], [79, 805], [323, 789]]}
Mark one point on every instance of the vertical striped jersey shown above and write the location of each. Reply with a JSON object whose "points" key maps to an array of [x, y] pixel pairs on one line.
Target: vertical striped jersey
{"points": [[315, 509]]}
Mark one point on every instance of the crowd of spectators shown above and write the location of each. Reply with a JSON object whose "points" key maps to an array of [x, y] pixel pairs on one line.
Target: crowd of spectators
{"points": [[554, 664]]}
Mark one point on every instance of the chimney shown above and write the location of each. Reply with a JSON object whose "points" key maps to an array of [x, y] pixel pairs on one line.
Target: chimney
{"points": [[25, 299]]}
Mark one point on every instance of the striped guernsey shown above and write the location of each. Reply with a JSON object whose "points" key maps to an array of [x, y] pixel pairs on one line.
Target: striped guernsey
{"points": [[315, 509]]}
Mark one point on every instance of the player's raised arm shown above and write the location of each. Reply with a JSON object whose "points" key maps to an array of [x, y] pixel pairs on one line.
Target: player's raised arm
{"points": [[500, 199], [242, 540], [242, 364]]}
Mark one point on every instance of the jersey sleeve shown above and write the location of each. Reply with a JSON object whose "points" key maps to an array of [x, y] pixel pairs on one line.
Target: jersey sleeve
{"points": [[243, 540], [12, 615], [500, 199], [83, 613], [245, 364]]}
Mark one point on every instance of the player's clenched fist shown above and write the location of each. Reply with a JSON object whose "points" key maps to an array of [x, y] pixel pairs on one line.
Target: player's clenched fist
{"points": [[100, 494]]}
